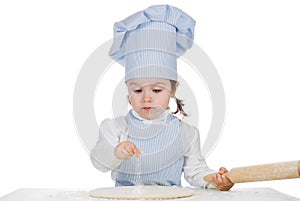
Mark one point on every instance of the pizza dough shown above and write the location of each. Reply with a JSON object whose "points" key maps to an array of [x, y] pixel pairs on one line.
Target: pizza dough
{"points": [[142, 192]]}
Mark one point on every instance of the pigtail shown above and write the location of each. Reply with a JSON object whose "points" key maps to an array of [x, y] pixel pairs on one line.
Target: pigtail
{"points": [[180, 105], [179, 102]]}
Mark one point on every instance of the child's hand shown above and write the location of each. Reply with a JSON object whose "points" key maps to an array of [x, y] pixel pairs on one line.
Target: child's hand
{"points": [[126, 149], [221, 181]]}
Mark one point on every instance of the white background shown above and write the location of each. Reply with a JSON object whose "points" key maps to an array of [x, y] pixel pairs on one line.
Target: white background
{"points": [[255, 46]]}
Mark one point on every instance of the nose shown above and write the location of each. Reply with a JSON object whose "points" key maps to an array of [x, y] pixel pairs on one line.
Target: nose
{"points": [[147, 97]]}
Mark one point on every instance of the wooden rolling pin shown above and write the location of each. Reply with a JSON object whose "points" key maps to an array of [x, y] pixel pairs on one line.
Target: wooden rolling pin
{"points": [[274, 171]]}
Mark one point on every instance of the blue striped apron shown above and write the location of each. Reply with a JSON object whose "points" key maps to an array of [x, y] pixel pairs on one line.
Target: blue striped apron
{"points": [[162, 159]]}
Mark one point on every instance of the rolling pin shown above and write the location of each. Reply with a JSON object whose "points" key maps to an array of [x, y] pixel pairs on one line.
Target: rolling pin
{"points": [[274, 171]]}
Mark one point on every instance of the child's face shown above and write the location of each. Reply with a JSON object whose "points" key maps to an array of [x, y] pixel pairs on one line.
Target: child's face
{"points": [[149, 97]]}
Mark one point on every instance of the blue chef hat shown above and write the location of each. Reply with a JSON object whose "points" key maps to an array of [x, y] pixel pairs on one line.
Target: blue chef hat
{"points": [[149, 42]]}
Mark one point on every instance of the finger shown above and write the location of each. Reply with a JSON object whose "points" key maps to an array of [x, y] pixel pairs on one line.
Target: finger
{"points": [[121, 150], [137, 152], [132, 149], [216, 180], [219, 179], [222, 170], [228, 182], [123, 147], [221, 182], [124, 150], [222, 187], [226, 185], [124, 156], [121, 155], [129, 149]]}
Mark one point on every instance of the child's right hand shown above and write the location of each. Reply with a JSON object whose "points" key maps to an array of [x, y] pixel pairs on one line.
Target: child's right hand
{"points": [[125, 150]]}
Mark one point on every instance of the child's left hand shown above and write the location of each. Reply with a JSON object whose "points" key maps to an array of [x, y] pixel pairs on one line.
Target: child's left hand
{"points": [[221, 181]]}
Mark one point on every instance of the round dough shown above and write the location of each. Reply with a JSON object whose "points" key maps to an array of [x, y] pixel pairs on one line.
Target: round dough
{"points": [[142, 192]]}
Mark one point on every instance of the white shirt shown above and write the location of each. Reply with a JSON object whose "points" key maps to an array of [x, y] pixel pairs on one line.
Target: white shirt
{"points": [[114, 131]]}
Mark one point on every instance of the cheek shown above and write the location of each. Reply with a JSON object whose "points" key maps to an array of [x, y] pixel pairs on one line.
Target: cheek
{"points": [[164, 101], [133, 98]]}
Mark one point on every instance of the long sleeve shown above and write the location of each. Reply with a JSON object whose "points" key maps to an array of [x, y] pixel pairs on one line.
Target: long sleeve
{"points": [[195, 167], [110, 134]]}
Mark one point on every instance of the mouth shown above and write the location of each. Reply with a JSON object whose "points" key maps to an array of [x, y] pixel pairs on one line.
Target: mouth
{"points": [[147, 108]]}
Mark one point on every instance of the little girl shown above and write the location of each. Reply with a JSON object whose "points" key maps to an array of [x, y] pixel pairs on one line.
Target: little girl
{"points": [[150, 146]]}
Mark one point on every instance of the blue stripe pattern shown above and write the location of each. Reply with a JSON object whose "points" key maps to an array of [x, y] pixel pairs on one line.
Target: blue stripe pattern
{"points": [[151, 49], [162, 159], [153, 37]]}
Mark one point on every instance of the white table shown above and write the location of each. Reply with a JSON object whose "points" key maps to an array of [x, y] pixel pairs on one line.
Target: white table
{"points": [[257, 194]]}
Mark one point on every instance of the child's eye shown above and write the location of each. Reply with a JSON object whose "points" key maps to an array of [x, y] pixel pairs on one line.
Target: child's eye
{"points": [[156, 90], [137, 91]]}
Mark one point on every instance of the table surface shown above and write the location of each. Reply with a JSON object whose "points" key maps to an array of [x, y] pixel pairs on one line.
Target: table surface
{"points": [[246, 194]]}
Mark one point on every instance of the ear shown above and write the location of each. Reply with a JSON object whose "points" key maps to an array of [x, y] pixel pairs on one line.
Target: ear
{"points": [[128, 99]]}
